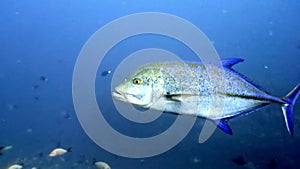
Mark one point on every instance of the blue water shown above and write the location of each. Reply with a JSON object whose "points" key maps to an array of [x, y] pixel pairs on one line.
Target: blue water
{"points": [[44, 38]]}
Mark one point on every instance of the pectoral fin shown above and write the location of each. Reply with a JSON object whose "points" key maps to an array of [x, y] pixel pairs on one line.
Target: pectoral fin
{"points": [[179, 97], [223, 125], [174, 97]]}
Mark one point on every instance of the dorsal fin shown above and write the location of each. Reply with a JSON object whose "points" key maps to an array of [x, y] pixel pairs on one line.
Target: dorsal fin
{"points": [[231, 61]]}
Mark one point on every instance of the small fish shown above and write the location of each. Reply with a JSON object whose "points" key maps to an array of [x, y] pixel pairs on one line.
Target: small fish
{"points": [[16, 166], [59, 152], [214, 92], [104, 73], [40, 155], [239, 160], [4, 148], [43, 78], [66, 115], [101, 165], [35, 86]]}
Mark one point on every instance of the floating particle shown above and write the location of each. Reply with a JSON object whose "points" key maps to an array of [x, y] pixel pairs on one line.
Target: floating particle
{"points": [[18, 61], [196, 160], [29, 130], [270, 33], [266, 67]]}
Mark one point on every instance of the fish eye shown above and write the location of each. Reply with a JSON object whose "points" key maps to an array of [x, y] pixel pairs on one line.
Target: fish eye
{"points": [[137, 81]]}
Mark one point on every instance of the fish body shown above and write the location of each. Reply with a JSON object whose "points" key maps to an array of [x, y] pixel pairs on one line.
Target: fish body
{"points": [[15, 166], [4, 148], [59, 152], [209, 91], [102, 165]]}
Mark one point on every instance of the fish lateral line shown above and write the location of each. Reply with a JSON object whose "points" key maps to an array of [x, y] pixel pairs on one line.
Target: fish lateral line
{"points": [[252, 97]]}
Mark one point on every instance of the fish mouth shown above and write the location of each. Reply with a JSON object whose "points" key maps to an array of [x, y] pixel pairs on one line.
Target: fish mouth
{"points": [[119, 96]]}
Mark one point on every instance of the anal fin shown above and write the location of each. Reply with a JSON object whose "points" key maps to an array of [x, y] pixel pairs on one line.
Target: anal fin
{"points": [[223, 125], [231, 61]]}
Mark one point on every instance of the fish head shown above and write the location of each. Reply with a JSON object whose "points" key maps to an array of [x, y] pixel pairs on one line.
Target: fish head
{"points": [[140, 88], [53, 153]]}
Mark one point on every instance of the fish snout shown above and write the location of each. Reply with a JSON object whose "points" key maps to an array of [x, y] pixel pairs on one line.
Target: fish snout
{"points": [[118, 94]]}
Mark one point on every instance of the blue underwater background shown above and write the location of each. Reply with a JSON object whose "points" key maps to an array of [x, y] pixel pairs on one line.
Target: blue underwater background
{"points": [[41, 40]]}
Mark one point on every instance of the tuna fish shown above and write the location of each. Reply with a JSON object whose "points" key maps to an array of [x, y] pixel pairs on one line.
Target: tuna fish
{"points": [[210, 91]]}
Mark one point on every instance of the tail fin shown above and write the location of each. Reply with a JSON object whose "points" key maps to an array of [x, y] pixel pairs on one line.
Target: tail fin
{"points": [[69, 149], [287, 109]]}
